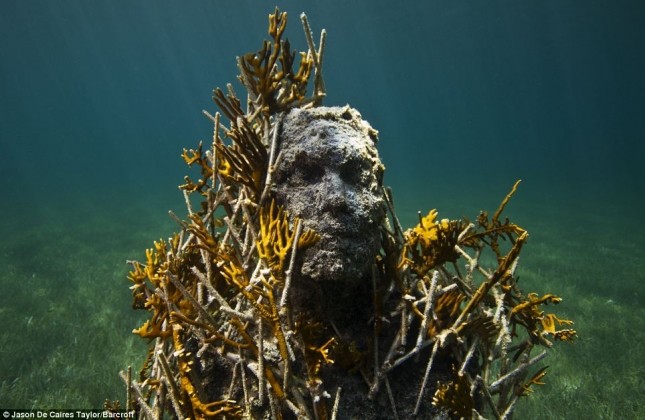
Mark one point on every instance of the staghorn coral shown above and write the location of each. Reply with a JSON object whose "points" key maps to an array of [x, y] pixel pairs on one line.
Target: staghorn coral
{"points": [[429, 329], [431, 243], [485, 331], [456, 396], [276, 239]]}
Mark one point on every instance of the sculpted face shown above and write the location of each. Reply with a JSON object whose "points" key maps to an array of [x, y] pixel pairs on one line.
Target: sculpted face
{"points": [[330, 175]]}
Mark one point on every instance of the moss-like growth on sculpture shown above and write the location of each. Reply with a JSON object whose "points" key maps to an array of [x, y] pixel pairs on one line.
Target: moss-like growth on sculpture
{"points": [[240, 323]]}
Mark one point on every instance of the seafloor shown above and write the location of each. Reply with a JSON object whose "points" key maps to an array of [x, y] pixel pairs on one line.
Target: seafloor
{"points": [[66, 318]]}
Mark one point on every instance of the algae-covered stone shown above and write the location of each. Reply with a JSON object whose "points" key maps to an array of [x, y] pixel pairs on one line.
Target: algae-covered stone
{"points": [[330, 176]]}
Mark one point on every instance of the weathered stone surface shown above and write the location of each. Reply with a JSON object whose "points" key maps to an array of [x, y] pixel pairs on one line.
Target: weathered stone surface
{"points": [[330, 175]]}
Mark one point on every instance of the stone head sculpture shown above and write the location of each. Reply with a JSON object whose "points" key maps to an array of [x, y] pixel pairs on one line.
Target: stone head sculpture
{"points": [[330, 176]]}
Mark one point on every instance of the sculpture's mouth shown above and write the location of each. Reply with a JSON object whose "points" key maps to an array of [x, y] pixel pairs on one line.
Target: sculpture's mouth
{"points": [[341, 226], [334, 229], [345, 256]]}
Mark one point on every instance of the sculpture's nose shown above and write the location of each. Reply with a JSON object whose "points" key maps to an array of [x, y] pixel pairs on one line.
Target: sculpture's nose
{"points": [[338, 193]]}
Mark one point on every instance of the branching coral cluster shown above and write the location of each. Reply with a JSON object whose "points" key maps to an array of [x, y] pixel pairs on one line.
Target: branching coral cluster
{"points": [[218, 291], [221, 284], [477, 314]]}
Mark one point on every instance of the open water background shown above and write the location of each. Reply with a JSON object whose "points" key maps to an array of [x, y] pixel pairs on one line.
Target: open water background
{"points": [[98, 98]]}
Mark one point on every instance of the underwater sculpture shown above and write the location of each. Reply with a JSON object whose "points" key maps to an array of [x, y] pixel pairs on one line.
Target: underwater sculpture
{"points": [[330, 177], [293, 291]]}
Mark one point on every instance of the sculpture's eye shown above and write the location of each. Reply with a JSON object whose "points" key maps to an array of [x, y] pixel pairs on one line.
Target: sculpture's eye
{"points": [[311, 172], [351, 172], [307, 170]]}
